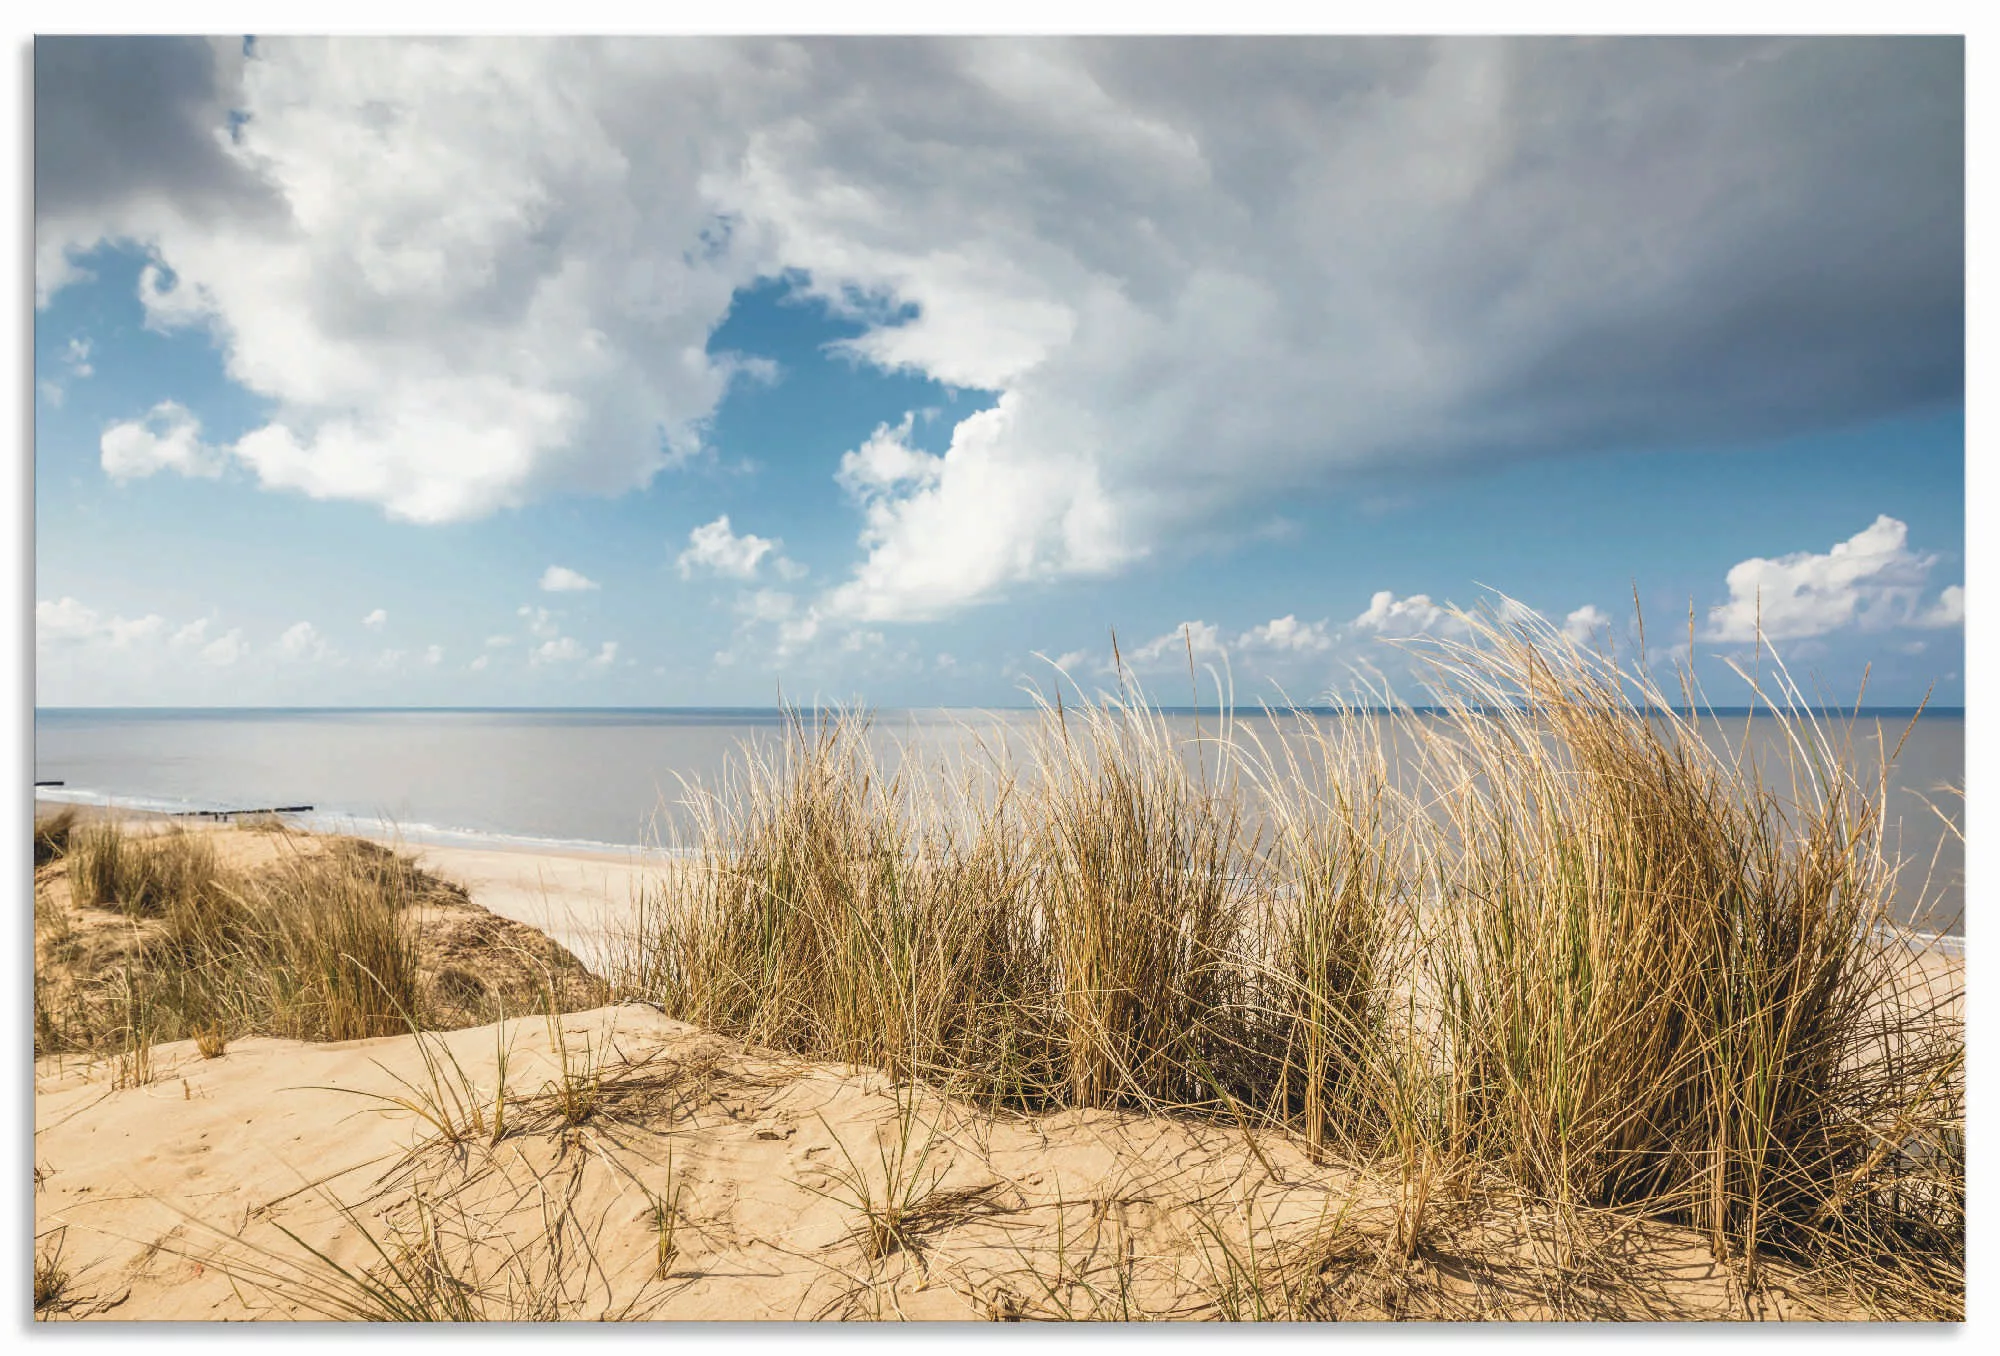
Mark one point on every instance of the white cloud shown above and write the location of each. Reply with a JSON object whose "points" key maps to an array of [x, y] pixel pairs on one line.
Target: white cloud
{"points": [[1200, 283], [1870, 580], [1948, 610], [714, 549], [1585, 624], [561, 650], [464, 274], [88, 656], [1287, 633], [75, 359], [1074, 662], [167, 439], [887, 462], [767, 605], [478, 665], [774, 623], [979, 518], [1198, 636], [498, 642], [302, 641], [568, 650], [68, 622], [433, 656], [541, 622], [1274, 647], [558, 579], [225, 649], [376, 620], [1389, 615]]}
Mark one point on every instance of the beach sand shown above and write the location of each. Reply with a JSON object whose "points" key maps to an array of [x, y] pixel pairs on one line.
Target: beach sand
{"points": [[584, 900], [172, 1199]]}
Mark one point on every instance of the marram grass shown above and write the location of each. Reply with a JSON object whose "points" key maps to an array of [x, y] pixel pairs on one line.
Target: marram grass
{"points": [[1549, 932]]}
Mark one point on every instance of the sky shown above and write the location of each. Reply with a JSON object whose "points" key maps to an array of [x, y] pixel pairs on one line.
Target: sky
{"points": [[658, 372]]}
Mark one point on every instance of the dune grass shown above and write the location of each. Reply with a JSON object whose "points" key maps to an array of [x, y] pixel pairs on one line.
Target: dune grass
{"points": [[321, 946], [1568, 937], [52, 833]]}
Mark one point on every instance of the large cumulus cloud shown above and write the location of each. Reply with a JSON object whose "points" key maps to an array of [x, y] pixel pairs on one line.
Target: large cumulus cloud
{"points": [[1199, 275]]}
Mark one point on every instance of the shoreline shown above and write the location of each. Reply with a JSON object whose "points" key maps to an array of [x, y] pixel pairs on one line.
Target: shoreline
{"points": [[355, 826], [571, 889]]}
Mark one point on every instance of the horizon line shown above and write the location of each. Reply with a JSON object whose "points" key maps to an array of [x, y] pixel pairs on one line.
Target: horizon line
{"points": [[1885, 709]]}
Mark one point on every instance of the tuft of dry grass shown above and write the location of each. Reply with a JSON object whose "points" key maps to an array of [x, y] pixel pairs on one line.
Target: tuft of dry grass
{"points": [[324, 944], [52, 1278], [52, 835], [1137, 900], [341, 926], [1659, 970], [140, 876], [828, 912]]}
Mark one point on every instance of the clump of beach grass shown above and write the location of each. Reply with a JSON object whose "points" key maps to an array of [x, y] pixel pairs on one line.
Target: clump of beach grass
{"points": [[828, 911], [319, 946], [1137, 898], [1558, 929], [137, 874], [52, 834], [1659, 975]]}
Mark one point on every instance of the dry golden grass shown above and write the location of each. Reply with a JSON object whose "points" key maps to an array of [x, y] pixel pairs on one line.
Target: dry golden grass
{"points": [[149, 937], [320, 947], [52, 833], [52, 1277], [1566, 938]]}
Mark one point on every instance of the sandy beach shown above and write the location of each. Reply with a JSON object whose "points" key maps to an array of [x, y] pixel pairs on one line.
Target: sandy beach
{"points": [[583, 900]]}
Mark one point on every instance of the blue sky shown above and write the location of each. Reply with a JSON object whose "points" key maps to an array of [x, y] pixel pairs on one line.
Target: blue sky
{"points": [[401, 373]]}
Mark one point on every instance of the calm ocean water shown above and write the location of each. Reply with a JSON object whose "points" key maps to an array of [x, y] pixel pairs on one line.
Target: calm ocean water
{"points": [[611, 778]]}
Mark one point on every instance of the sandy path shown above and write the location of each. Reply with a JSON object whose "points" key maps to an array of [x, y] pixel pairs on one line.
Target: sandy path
{"points": [[586, 901]]}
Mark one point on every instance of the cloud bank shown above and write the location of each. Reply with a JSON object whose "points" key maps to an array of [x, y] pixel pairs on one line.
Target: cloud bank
{"points": [[1198, 276]]}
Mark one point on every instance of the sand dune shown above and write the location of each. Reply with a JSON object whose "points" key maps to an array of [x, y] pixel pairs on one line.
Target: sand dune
{"points": [[174, 1199], [616, 1163]]}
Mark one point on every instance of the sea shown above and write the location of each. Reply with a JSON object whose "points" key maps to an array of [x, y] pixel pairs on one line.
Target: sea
{"points": [[616, 780]]}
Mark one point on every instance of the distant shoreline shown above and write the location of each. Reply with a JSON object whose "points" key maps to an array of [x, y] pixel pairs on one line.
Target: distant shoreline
{"points": [[472, 844], [335, 822]]}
